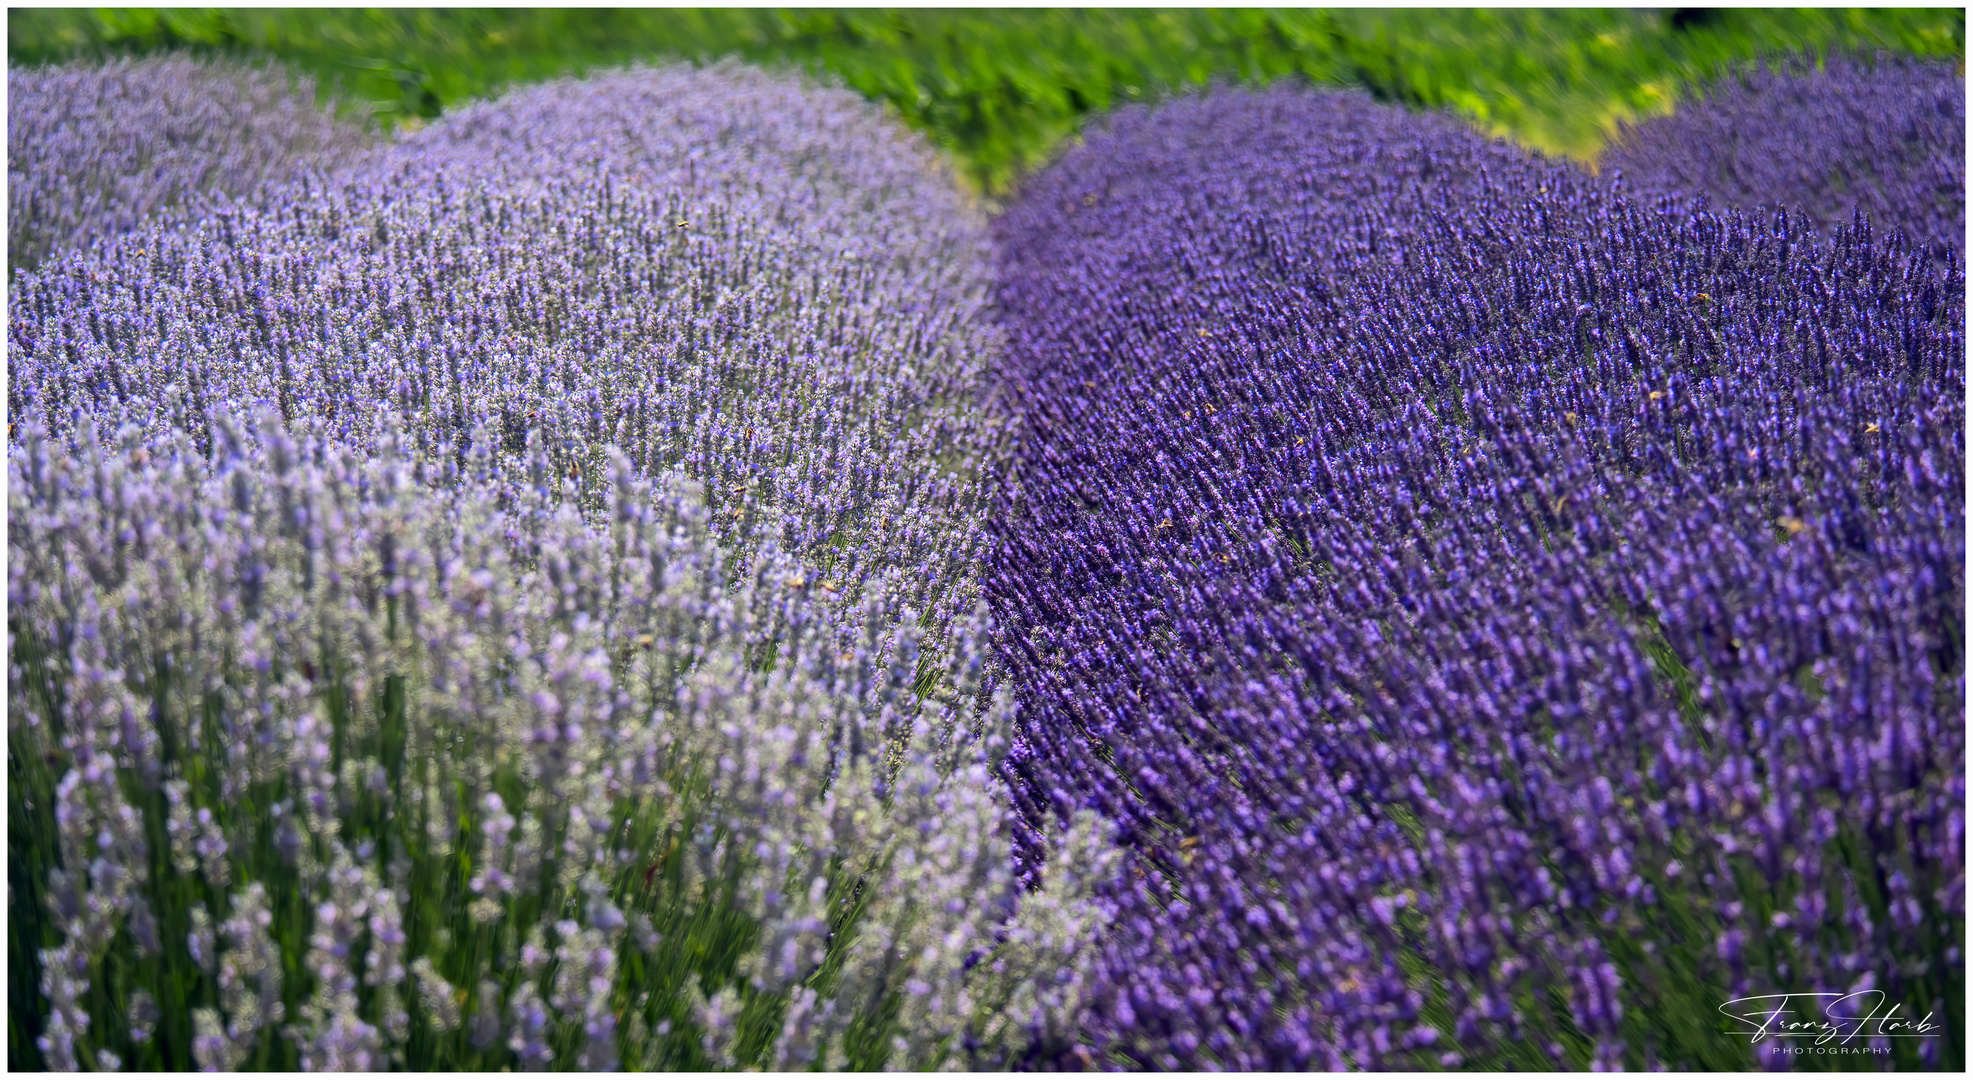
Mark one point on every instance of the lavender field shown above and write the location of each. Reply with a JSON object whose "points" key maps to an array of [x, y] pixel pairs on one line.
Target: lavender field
{"points": [[644, 573]]}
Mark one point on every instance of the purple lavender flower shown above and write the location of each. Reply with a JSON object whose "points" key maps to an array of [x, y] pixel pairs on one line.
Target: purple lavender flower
{"points": [[1886, 136]]}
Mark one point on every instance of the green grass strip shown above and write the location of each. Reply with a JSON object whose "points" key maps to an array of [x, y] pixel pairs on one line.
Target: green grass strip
{"points": [[1001, 90]]}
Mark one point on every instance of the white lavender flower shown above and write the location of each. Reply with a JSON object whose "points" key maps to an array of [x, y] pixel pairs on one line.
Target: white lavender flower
{"points": [[436, 996], [249, 968]]}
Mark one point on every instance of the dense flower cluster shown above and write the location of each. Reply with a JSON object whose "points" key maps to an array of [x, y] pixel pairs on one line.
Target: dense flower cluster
{"points": [[512, 601], [462, 734], [1886, 137], [1503, 620], [773, 289], [93, 151]]}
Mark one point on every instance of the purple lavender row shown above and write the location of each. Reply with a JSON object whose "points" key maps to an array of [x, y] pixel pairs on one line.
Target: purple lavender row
{"points": [[1505, 622], [1886, 136], [92, 151]]}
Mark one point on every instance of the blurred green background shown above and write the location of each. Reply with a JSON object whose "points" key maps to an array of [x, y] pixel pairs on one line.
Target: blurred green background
{"points": [[1001, 89]]}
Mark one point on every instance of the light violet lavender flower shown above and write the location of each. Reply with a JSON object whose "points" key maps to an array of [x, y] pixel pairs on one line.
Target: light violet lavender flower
{"points": [[95, 150]]}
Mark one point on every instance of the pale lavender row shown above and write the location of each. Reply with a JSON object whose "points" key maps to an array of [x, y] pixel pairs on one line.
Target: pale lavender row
{"points": [[722, 270], [1493, 611], [217, 633], [93, 151], [474, 354], [1886, 136]]}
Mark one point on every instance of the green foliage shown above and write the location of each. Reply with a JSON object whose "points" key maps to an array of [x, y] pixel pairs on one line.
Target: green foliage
{"points": [[1002, 89]]}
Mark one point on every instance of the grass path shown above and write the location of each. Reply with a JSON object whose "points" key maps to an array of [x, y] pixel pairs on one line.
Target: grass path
{"points": [[1001, 90]]}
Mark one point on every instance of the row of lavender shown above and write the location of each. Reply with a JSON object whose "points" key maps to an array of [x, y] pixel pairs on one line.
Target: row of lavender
{"points": [[509, 598], [1823, 139], [93, 151], [1507, 622]]}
